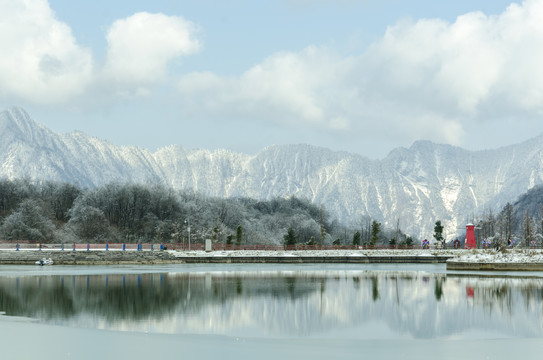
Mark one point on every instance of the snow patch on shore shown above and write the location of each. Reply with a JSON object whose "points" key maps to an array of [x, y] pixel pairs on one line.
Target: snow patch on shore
{"points": [[315, 253], [509, 256], [469, 256]]}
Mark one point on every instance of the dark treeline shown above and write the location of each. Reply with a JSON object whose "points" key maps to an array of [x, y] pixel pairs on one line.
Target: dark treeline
{"points": [[60, 212]]}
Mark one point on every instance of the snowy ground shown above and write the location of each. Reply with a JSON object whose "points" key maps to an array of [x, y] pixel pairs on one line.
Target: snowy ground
{"points": [[510, 256], [475, 256], [314, 253], [479, 256]]}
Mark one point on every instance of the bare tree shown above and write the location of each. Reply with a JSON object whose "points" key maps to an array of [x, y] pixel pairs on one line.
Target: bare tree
{"points": [[508, 221]]}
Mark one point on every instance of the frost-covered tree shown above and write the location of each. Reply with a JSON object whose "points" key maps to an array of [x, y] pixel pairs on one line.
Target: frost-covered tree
{"points": [[28, 222], [305, 228], [508, 222], [89, 223], [60, 197], [137, 212], [13, 192], [528, 229]]}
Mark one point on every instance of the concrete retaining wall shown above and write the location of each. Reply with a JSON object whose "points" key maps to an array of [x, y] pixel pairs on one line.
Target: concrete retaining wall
{"points": [[87, 257], [456, 265], [316, 259], [163, 257]]}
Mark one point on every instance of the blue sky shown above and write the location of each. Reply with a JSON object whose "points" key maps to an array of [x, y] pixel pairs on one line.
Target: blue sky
{"points": [[359, 76]]}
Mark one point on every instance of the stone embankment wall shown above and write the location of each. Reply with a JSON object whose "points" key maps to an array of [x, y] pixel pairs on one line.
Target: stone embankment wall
{"points": [[494, 266], [165, 257], [87, 257], [316, 259]]}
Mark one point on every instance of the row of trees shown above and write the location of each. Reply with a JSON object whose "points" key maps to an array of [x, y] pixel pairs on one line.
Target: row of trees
{"points": [[516, 224], [60, 212]]}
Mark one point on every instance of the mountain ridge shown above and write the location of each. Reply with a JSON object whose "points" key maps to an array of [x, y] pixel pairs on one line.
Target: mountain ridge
{"points": [[418, 185]]}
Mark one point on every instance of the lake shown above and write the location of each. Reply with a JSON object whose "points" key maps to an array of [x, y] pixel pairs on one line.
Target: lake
{"points": [[269, 311]]}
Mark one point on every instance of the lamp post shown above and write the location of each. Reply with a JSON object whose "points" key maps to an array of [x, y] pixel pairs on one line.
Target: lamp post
{"points": [[187, 221]]}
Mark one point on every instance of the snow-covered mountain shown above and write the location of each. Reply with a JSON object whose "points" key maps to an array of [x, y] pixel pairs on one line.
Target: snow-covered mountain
{"points": [[417, 185]]}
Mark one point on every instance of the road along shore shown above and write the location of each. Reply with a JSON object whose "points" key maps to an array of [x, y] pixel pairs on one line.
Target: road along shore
{"points": [[29, 257], [470, 260]]}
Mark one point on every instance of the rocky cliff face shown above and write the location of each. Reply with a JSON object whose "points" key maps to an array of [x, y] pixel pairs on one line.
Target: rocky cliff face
{"points": [[417, 185]]}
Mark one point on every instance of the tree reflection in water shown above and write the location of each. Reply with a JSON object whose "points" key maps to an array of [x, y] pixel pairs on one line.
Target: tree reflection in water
{"points": [[299, 303]]}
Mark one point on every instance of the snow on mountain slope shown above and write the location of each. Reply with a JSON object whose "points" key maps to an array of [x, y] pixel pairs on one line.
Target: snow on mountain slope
{"points": [[418, 185]]}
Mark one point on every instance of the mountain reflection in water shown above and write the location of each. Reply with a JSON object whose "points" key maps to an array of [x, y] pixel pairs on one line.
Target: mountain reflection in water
{"points": [[353, 304]]}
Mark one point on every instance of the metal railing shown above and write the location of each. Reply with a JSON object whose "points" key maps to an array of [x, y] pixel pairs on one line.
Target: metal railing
{"points": [[25, 245]]}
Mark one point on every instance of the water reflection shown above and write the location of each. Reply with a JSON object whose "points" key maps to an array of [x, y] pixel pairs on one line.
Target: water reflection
{"points": [[353, 304]]}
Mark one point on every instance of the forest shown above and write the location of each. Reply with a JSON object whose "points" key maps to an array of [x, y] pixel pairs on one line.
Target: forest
{"points": [[516, 224], [64, 213]]}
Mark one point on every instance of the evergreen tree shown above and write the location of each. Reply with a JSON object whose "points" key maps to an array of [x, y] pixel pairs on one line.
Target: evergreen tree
{"points": [[321, 223], [438, 231], [356, 238], [290, 237], [239, 235], [375, 230], [215, 234]]}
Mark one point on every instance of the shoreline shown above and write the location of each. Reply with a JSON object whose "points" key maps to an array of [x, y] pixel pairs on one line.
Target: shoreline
{"points": [[491, 260], [147, 257], [494, 266], [468, 260]]}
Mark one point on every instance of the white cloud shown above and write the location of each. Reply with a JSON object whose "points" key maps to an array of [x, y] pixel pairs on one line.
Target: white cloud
{"points": [[286, 87], [468, 63], [141, 46], [41, 59], [42, 62], [422, 79]]}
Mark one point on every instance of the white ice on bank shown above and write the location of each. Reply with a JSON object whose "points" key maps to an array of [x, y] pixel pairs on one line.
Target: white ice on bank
{"points": [[509, 256], [476, 255], [311, 253]]}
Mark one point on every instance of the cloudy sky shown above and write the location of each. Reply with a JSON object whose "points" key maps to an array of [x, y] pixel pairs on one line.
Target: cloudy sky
{"points": [[361, 76]]}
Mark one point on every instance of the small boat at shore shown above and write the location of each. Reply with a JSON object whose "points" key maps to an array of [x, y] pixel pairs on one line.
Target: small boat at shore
{"points": [[44, 261]]}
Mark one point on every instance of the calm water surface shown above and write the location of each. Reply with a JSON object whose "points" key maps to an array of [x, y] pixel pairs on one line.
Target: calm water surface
{"points": [[379, 302]]}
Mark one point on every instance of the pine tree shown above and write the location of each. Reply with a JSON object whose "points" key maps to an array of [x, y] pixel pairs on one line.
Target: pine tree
{"points": [[239, 235], [375, 230], [322, 229], [438, 231], [356, 238], [290, 237]]}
